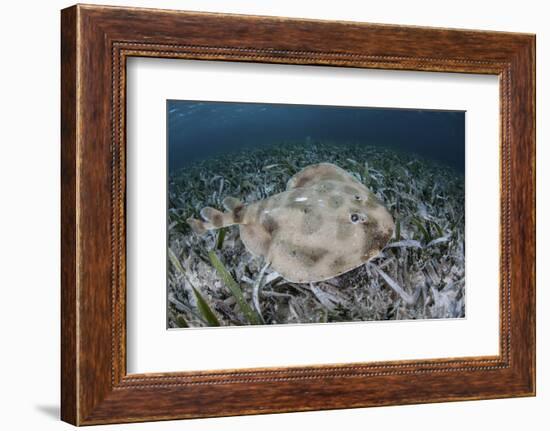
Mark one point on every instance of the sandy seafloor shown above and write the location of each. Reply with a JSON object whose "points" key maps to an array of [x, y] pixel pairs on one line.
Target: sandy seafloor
{"points": [[419, 275]]}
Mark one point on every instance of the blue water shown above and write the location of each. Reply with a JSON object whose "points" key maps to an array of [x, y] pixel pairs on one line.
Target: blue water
{"points": [[199, 130]]}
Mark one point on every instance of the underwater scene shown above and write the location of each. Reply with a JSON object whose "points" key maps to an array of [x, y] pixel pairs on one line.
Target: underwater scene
{"points": [[301, 214]]}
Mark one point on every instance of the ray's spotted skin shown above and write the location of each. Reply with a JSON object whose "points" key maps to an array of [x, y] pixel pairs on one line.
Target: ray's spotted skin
{"points": [[326, 223]]}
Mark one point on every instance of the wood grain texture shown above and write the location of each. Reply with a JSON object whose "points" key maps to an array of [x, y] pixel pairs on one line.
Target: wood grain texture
{"points": [[69, 397], [96, 41]]}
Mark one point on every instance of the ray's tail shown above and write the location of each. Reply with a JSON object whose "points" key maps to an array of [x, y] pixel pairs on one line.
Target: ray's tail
{"points": [[215, 219]]}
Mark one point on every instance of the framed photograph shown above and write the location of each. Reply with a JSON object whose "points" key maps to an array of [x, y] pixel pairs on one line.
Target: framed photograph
{"points": [[265, 214]]}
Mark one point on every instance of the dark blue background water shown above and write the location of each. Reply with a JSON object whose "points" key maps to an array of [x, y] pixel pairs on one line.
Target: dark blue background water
{"points": [[197, 130]]}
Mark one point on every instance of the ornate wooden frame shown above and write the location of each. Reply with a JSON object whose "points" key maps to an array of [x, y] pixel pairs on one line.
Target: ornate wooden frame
{"points": [[95, 42]]}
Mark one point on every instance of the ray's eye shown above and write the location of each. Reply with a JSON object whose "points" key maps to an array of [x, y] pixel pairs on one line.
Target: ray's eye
{"points": [[357, 197], [354, 218]]}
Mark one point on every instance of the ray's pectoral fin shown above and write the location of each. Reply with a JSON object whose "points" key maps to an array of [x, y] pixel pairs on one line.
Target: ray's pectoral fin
{"points": [[320, 172], [215, 219], [256, 239]]}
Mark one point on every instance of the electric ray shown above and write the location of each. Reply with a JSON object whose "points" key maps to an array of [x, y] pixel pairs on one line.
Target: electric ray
{"points": [[326, 223]]}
